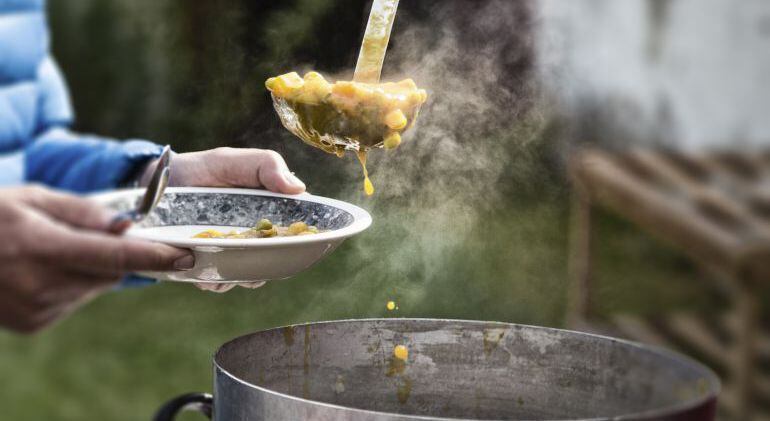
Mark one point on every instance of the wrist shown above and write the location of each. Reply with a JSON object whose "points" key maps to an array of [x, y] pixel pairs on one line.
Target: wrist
{"points": [[180, 170]]}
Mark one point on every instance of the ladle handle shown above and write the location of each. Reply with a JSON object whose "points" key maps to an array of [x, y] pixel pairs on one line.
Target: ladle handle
{"points": [[198, 402], [375, 42]]}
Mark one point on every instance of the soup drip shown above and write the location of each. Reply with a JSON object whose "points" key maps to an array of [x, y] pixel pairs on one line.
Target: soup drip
{"points": [[368, 186]]}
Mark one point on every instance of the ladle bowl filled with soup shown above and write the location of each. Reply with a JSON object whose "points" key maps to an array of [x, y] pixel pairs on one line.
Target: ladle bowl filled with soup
{"points": [[345, 115]]}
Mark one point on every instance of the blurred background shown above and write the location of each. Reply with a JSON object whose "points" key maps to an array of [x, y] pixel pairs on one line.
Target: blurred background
{"points": [[472, 212]]}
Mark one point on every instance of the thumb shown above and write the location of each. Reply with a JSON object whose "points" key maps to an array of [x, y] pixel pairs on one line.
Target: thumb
{"points": [[280, 180], [70, 209], [274, 174]]}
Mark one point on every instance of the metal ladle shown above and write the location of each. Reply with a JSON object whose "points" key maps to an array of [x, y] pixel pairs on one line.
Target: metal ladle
{"points": [[368, 70]]}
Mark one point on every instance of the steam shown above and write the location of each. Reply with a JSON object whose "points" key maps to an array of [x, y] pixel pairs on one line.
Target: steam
{"points": [[436, 192]]}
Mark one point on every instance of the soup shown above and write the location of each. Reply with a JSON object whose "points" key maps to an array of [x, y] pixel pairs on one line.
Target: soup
{"points": [[263, 229]]}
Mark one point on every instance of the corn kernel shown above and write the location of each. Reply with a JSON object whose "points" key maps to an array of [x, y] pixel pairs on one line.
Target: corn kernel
{"points": [[408, 83], [285, 84], [297, 228], [392, 140], [292, 79], [347, 89], [395, 119], [306, 97], [423, 95], [313, 76], [272, 232], [318, 89], [210, 233], [401, 352]]}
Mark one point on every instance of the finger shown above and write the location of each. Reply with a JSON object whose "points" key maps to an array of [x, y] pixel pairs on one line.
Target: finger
{"points": [[72, 210], [274, 174], [76, 286], [215, 286], [16, 316], [60, 299], [119, 226], [256, 168], [26, 309], [100, 253], [88, 293], [27, 316]]}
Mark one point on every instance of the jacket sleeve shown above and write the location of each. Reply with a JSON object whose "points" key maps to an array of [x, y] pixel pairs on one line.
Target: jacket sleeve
{"points": [[83, 163]]}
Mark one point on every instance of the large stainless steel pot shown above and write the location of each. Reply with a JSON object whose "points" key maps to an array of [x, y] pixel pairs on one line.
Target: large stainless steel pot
{"points": [[345, 370]]}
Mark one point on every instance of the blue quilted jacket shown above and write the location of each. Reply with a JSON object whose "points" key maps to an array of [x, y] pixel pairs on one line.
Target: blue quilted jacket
{"points": [[35, 113]]}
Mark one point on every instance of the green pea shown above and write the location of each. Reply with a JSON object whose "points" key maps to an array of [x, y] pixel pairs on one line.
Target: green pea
{"points": [[263, 224], [392, 140]]}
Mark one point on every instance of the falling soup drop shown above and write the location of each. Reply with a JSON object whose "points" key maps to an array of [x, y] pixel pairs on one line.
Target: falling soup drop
{"points": [[401, 352]]}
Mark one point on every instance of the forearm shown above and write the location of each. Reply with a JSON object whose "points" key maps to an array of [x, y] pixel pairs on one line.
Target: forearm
{"points": [[69, 161]]}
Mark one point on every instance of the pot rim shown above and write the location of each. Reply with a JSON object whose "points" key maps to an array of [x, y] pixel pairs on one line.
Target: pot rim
{"points": [[715, 385]]}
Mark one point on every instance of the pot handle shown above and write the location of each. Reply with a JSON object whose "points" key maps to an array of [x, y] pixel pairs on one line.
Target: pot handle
{"points": [[200, 402]]}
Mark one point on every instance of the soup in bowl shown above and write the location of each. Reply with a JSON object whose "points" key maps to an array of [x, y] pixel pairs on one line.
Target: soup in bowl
{"points": [[185, 212]]}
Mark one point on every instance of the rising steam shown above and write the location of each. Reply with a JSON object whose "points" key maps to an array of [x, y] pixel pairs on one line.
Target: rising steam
{"points": [[436, 191]]}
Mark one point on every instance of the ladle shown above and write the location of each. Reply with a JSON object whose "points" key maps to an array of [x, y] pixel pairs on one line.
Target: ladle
{"points": [[368, 70]]}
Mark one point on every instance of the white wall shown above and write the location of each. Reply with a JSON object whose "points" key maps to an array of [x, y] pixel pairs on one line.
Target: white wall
{"points": [[687, 73]]}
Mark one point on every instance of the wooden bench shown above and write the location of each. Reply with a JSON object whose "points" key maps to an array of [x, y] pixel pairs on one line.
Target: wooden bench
{"points": [[715, 208]]}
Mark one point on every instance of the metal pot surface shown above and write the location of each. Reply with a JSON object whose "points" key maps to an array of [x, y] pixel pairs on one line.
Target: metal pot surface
{"points": [[346, 370]]}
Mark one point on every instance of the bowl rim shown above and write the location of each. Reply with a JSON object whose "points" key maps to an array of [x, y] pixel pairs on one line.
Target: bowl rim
{"points": [[361, 219]]}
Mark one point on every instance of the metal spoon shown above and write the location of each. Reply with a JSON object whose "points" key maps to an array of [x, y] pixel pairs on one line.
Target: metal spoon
{"points": [[152, 195]]}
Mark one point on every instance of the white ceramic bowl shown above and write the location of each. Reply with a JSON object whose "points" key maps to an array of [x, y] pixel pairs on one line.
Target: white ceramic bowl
{"points": [[185, 211]]}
